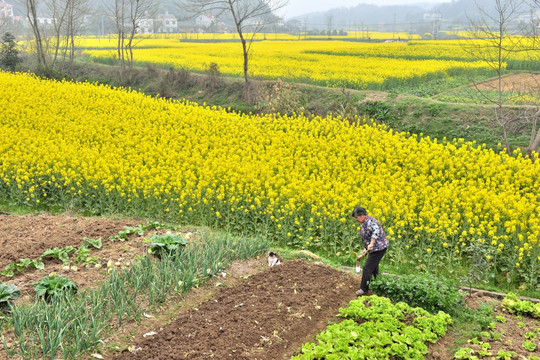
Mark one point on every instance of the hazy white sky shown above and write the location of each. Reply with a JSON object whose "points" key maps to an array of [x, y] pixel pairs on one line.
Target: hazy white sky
{"points": [[299, 7]]}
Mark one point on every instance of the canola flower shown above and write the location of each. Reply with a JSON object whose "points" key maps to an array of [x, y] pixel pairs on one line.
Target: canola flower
{"points": [[360, 65], [330, 63], [291, 179]]}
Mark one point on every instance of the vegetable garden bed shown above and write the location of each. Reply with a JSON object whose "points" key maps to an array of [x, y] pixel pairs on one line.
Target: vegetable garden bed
{"points": [[244, 311]]}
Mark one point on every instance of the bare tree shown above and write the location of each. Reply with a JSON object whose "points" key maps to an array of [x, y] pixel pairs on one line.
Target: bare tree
{"points": [[248, 15], [531, 31], [329, 23], [31, 7], [58, 10], [76, 12], [127, 15], [489, 42], [67, 21]]}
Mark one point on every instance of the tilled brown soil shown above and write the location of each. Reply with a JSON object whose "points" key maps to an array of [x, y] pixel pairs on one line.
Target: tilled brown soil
{"points": [[28, 236], [266, 316]]}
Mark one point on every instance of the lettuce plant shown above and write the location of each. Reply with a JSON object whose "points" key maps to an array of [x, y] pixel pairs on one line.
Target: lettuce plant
{"points": [[96, 243], [516, 306], [529, 345], [167, 244], [8, 293], [56, 253], [20, 266], [54, 285]]}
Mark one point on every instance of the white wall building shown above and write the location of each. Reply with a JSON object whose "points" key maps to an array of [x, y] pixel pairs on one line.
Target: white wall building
{"points": [[45, 21], [205, 20], [166, 23], [6, 10], [145, 26]]}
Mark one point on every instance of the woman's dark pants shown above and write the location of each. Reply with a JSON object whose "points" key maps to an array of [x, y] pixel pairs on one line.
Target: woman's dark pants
{"points": [[371, 268]]}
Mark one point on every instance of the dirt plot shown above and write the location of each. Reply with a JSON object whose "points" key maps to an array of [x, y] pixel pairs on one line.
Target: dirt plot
{"points": [[526, 83], [267, 316], [29, 236]]}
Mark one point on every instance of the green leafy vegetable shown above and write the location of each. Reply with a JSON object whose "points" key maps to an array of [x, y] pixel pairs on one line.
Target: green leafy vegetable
{"points": [[54, 285], [8, 293], [10, 269], [529, 345], [167, 244], [56, 253], [93, 242], [374, 328], [427, 292]]}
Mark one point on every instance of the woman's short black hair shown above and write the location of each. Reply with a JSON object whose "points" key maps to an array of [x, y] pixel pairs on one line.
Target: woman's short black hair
{"points": [[359, 211]]}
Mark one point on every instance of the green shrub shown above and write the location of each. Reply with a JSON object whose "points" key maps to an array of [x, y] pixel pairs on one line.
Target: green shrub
{"points": [[427, 292]]}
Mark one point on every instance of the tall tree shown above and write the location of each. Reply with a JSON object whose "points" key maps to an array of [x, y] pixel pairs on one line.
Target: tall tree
{"points": [[31, 7], [248, 15], [329, 23], [58, 10], [67, 21], [531, 46], [489, 40], [76, 12], [127, 15]]}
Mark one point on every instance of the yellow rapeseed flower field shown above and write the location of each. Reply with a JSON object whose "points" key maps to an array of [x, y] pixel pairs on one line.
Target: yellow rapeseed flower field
{"points": [[356, 65], [292, 179]]}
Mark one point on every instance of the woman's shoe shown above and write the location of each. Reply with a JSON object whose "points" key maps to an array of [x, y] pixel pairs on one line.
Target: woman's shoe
{"points": [[360, 292]]}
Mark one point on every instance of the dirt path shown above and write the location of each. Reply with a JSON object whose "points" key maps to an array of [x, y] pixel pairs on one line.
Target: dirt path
{"points": [[523, 83]]}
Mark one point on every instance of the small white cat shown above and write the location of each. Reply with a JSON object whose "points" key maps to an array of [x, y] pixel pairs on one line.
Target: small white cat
{"points": [[273, 259]]}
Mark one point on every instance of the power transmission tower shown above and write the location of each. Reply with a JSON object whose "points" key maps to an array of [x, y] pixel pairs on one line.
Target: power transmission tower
{"points": [[436, 25]]}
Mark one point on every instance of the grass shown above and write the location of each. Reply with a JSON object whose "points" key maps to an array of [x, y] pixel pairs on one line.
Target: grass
{"points": [[473, 96], [469, 323], [431, 88], [445, 120], [16, 209]]}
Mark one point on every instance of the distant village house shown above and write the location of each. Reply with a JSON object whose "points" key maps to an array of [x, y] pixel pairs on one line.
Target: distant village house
{"points": [[6, 10], [166, 23], [162, 24]]}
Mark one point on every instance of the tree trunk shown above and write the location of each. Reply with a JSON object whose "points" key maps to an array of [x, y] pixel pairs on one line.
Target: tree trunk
{"points": [[32, 18], [534, 143], [244, 48]]}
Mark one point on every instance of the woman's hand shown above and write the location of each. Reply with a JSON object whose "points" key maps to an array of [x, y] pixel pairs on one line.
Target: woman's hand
{"points": [[364, 253], [371, 244]]}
